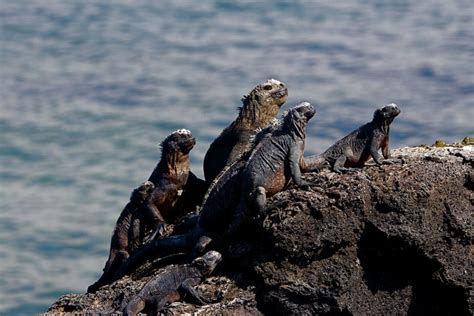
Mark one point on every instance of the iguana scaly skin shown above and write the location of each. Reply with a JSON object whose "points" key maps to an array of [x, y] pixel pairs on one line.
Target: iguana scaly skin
{"points": [[276, 159], [177, 191], [356, 148], [170, 285], [123, 237], [259, 107]]}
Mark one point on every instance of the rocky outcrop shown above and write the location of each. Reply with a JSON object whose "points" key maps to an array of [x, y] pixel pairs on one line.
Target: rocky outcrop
{"points": [[395, 239]]}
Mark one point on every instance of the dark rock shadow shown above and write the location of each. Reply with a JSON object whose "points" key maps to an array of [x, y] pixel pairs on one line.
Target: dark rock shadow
{"points": [[390, 264]]}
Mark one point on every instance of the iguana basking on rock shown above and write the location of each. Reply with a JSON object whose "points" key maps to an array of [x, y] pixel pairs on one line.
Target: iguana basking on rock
{"points": [[177, 191], [356, 148], [174, 283], [259, 107], [275, 161], [123, 237]]}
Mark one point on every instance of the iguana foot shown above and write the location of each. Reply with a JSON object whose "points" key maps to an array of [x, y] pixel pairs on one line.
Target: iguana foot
{"points": [[391, 161], [156, 234], [344, 170]]}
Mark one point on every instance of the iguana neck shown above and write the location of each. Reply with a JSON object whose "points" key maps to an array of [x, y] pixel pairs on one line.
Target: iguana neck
{"points": [[383, 125], [254, 115], [173, 164]]}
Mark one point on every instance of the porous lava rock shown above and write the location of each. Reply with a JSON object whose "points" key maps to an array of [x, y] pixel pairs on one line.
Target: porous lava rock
{"points": [[395, 239]]}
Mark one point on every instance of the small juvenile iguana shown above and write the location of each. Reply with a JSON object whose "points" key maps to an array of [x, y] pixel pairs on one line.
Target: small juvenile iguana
{"points": [[259, 107], [172, 284], [177, 191], [356, 148], [123, 236]]}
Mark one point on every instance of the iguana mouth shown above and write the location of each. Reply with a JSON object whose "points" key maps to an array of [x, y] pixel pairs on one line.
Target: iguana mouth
{"points": [[188, 145], [310, 113], [280, 93]]}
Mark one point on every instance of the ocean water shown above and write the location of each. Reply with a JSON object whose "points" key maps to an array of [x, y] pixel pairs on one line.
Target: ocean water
{"points": [[88, 89]]}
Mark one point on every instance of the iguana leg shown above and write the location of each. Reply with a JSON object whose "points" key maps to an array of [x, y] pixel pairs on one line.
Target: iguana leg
{"points": [[385, 150], [295, 155], [134, 234], [259, 198], [374, 153], [339, 164], [168, 299], [187, 288], [153, 216], [135, 306]]}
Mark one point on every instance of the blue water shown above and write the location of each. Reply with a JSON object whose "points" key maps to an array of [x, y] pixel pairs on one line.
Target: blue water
{"points": [[88, 89]]}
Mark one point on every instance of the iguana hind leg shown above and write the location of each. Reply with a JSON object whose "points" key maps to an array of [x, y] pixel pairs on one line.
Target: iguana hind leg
{"points": [[188, 290]]}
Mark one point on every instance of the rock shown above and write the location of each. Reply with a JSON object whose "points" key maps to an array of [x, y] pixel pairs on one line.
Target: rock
{"points": [[395, 239]]}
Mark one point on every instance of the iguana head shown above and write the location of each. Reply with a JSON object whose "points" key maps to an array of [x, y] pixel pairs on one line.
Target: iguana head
{"points": [[175, 150], [262, 104], [208, 262], [180, 140], [386, 114], [142, 192], [296, 118]]}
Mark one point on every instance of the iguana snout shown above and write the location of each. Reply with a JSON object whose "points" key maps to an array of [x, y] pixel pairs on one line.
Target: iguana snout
{"points": [[307, 110], [208, 262], [276, 90], [389, 111], [180, 140]]}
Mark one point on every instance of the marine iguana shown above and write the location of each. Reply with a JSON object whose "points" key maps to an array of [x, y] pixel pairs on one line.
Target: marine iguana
{"points": [[177, 191], [171, 285], [259, 107], [275, 160], [356, 148], [123, 236]]}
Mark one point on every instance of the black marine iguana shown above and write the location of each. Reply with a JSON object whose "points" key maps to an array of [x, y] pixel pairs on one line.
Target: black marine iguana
{"points": [[277, 159], [260, 106], [177, 190], [123, 237], [273, 163], [356, 148], [170, 285]]}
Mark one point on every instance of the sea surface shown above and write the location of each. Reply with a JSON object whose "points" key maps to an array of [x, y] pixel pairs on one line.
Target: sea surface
{"points": [[88, 89]]}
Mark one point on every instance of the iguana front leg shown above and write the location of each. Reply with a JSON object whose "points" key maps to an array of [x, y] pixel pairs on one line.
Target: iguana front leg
{"points": [[295, 155], [188, 290], [134, 234], [152, 214], [374, 152], [259, 198], [339, 164]]}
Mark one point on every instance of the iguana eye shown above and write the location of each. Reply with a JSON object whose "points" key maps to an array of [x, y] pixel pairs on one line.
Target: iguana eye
{"points": [[267, 87]]}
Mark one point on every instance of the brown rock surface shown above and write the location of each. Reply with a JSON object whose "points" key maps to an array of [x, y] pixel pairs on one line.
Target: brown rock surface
{"points": [[395, 239]]}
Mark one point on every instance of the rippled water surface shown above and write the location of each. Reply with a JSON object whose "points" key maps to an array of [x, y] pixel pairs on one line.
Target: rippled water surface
{"points": [[89, 88]]}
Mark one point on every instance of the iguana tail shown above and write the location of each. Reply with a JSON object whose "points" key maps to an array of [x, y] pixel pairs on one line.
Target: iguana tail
{"points": [[313, 163]]}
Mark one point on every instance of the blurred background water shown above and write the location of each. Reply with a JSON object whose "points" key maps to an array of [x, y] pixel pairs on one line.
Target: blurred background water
{"points": [[90, 88]]}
